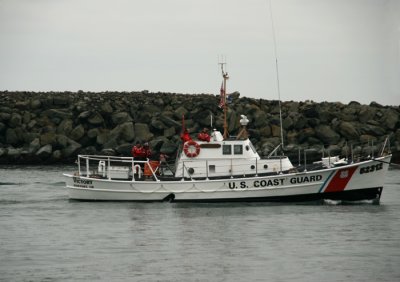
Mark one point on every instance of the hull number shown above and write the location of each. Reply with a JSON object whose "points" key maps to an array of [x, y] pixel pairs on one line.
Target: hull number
{"points": [[371, 168]]}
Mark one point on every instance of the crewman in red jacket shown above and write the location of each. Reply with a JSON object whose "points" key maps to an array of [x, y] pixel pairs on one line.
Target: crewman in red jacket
{"points": [[203, 135], [147, 151], [138, 152], [185, 136]]}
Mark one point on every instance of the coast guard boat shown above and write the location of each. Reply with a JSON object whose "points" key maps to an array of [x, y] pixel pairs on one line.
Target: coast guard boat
{"points": [[226, 169], [223, 170]]}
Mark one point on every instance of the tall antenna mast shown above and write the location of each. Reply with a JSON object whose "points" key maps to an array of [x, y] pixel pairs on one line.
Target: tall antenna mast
{"points": [[277, 71], [223, 93]]}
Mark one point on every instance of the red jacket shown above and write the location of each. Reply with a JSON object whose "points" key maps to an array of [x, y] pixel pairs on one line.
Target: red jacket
{"points": [[185, 137], [147, 152], [138, 152], [204, 137]]}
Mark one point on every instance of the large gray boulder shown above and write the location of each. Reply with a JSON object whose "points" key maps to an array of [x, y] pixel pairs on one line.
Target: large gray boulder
{"points": [[84, 115], [326, 134], [4, 116], [92, 133], [14, 153], [374, 130], [106, 108], [35, 104], [62, 141], [169, 121], [15, 120], [179, 112], [300, 123], [71, 149], [287, 123], [111, 143], [96, 119], [124, 132], [366, 113], [124, 149], [142, 132], [121, 117], [311, 110], [127, 132], [275, 130], [45, 151], [102, 136], [169, 132], [260, 119], [56, 155], [48, 138], [34, 146], [169, 147], [348, 131], [390, 119], [157, 124], [65, 127], [77, 133], [57, 113], [2, 127], [14, 136]]}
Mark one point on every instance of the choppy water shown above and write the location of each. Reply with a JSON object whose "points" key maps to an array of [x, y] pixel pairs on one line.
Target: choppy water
{"points": [[45, 237]]}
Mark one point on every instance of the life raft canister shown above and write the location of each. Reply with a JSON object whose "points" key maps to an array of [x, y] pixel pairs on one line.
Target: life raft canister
{"points": [[191, 149]]}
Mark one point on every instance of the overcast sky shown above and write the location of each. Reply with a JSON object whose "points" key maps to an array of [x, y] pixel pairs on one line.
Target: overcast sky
{"points": [[328, 50]]}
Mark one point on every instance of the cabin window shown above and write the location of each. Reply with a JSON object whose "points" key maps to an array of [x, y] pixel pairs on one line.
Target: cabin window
{"points": [[227, 149], [238, 149]]}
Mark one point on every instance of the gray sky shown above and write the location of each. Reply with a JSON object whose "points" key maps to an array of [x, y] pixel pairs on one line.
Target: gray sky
{"points": [[328, 50]]}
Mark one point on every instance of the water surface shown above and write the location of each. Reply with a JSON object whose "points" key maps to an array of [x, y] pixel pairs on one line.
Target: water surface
{"points": [[46, 237]]}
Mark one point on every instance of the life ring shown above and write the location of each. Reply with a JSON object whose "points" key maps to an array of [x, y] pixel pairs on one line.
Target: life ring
{"points": [[191, 149]]}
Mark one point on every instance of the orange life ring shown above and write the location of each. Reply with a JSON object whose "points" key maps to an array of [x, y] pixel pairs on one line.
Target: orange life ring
{"points": [[191, 149]]}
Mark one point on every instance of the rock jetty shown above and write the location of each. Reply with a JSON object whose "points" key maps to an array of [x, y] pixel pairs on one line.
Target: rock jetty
{"points": [[53, 127]]}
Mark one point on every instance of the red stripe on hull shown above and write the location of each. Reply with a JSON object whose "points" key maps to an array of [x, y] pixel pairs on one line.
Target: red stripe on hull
{"points": [[340, 179]]}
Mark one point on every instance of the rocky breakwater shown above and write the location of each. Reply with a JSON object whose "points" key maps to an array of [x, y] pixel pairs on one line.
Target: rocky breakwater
{"points": [[53, 127]]}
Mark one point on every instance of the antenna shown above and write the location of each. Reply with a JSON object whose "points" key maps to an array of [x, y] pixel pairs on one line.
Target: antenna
{"points": [[221, 60], [223, 94], [223, 64], [277, 71]]}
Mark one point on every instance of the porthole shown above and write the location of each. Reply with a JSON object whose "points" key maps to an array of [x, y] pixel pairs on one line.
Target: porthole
{"points": [[265, 166], [191, 170], [252, 167]]}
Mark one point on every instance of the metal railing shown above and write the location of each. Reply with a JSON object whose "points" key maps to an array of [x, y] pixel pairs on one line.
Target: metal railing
{"points": [[106, 164], [358, 151]]}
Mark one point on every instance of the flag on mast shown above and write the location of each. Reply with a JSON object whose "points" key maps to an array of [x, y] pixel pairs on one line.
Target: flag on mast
{"points": [[222, 94]]}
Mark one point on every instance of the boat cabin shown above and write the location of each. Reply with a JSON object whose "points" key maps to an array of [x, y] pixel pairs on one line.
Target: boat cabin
{"points": [[222, 158]]}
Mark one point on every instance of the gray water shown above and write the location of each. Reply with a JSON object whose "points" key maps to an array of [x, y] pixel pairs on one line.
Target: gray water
{"points": [[46, 237]]}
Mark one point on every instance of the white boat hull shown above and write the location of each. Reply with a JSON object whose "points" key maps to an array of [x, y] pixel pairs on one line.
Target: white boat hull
{"points": [[359, 181]]}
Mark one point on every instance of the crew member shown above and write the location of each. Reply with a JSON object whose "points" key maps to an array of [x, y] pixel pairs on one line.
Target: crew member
{"points": [[147, 151], [185, 136], [138, 151], [203, 135]]}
